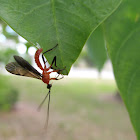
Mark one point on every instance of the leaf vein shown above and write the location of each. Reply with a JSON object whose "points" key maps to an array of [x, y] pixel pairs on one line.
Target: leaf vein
{"points": [[122, 44], [71, 25], [71, 13]]}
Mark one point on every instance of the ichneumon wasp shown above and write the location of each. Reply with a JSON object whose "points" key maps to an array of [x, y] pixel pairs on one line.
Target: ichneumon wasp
{"points": [[22, 68]]}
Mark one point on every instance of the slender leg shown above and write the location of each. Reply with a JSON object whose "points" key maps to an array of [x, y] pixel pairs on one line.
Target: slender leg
{"points": [[57, 78], [58, 70], [54, 61], [51, 49], [60, 78], [43, 58]]}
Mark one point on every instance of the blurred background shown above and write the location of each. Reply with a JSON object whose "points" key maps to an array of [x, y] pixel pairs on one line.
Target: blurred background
{"points": [[84, 105]]}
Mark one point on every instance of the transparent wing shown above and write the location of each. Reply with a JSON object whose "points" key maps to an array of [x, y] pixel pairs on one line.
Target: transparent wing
{"points": [[24, 64], [17, 69]]}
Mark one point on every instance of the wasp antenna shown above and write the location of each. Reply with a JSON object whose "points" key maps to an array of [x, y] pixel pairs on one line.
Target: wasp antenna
{"points": [[47, 119], [43, 101]]}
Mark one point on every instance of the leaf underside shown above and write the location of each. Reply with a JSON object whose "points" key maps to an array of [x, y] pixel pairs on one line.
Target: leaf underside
{"points": [[48, 22], [123, 38]]}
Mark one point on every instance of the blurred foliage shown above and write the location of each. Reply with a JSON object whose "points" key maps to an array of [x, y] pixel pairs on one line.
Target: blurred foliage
{"points": [[13, 35], [96, 48], [84, 59], [28, 45], [8, 95], [7, 54], [8, 35]]}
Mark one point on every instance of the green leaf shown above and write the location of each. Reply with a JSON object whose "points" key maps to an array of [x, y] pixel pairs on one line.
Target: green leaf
{"points": [[48, 22], [96, 48], [123, 38]]}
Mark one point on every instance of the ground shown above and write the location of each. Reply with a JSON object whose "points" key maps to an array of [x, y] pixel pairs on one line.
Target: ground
{"points": [[80, 110]]}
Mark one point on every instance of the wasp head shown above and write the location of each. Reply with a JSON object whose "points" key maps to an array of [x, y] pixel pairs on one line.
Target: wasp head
{"points": [[49, 86]]}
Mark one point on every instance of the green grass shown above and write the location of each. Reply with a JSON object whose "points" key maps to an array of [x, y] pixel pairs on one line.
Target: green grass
{"points": [[8, 95], [80, 109]]}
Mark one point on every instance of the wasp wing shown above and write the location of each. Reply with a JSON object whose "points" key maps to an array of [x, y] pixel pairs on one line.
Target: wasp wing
{"points": [[24, 64], [16, 69]]}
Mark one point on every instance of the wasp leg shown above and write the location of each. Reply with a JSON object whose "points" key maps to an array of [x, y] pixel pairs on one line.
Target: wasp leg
{"points": [[43, 58], [51, 49], [53, 62], [57, 78], [50, 67]]}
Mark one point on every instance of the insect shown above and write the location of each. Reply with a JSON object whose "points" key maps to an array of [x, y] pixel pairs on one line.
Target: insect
{"points": [[22, 68]]}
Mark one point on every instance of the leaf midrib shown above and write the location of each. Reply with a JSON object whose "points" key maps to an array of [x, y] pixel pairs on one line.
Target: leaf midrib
{"points": [[125, 40], [55, 25]]}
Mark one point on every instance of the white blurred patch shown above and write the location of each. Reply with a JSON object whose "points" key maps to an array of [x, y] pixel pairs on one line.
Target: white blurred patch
{"points": [[21, 39], [37, 45], [21, 48], [10, 30], [0, 28], [31, 51], [2, 38]]}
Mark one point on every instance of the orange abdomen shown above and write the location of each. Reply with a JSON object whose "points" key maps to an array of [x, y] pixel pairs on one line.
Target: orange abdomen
{"points": [[37, 54]]}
